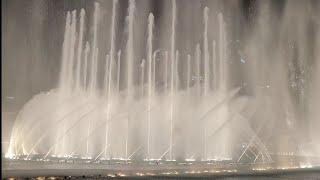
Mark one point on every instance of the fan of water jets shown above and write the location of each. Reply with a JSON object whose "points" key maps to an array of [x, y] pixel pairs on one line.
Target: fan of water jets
{"points": [[158, 116]]}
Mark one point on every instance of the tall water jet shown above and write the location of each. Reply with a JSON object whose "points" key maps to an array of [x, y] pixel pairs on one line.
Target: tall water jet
{"points": [[149, 50], [221, 52], [165, 75], [65, 59], [206, 52], [87, 154], [85, 74], [222, 115], [65, 52], [173, 30], [154, 70], [108, 78], [198, 63], [113, 30], [142, 66], [130, 49], [214, 65], [69, 75], [118, 71], [94, 53], [175, 92], [188, 72], [79, 51], [130, 61], [110, 71], [106, 74], [205, 153], [85, 66], [94, 71], [176, 72]]}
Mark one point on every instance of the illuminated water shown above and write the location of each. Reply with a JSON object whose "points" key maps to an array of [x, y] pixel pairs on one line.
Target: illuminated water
{"points": [[176, 103]]}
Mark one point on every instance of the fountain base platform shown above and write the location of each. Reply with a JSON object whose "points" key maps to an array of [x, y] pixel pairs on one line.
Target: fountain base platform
{"points": [[128, 168]]}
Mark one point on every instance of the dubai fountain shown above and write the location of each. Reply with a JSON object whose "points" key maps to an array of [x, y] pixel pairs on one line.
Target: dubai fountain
{"points": [[171, 106]]}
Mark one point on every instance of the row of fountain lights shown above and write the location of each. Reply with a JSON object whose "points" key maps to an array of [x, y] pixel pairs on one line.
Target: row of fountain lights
{"points": [[90, 159], [159, 161], [120, 174]]}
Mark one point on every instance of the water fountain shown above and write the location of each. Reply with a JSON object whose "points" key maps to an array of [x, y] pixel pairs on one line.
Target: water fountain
{"points": [[182, 100]]}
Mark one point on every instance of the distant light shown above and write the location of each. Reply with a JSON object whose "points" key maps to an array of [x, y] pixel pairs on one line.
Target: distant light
{"points": [[182, 163], [150, 174], [190, 159], [139, 174], [242, 61], [122, 175], [305, 165], [152, 159], [214, 171], [170, 160], [9, 155], [111, 175]]}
